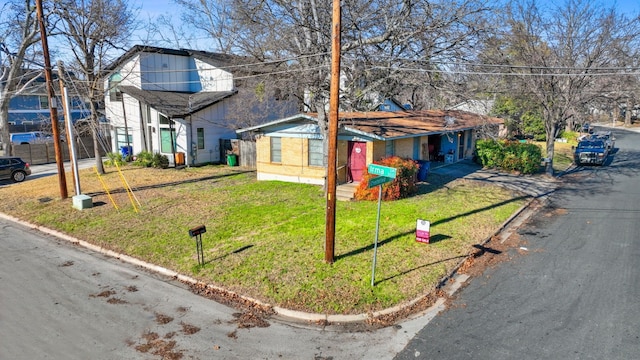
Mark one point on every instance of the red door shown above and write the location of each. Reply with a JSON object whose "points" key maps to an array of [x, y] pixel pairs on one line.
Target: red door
{"points": [[357, 159]]}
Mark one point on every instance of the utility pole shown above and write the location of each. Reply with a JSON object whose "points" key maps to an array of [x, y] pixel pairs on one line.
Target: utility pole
{"points": [[330, 231], [62, 182]]}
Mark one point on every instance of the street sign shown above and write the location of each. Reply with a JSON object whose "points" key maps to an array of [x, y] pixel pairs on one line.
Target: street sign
{"points": [[378, 180], [382, 171]]}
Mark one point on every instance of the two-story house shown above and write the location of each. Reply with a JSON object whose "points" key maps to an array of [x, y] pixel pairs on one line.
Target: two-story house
{"points": [[29, 110], [182, 103]]}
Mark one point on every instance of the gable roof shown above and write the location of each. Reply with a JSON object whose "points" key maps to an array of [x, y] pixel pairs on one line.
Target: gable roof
{"points": [[176, 104], [389, 125]]}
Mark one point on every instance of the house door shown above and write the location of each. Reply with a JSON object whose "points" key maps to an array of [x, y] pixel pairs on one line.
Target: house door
{"points": [[461, 141], [357, 159]]}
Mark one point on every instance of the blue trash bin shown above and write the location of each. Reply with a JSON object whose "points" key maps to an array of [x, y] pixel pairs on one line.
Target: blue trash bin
{"points": [[126, 151], [423, 169]]}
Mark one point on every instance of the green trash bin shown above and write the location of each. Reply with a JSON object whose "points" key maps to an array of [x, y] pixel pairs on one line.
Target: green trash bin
{"points": [[232, 160]]}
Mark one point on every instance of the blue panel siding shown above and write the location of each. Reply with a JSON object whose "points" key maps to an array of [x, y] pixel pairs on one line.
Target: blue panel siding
{"points": [[446, 146], [25, 102], [43, 116]]}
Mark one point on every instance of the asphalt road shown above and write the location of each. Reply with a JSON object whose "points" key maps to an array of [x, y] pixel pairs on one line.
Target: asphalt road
{"points": [[574, 295], [61, 301]]}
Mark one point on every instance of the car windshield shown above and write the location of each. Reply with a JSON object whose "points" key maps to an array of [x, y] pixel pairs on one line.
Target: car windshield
{"points": [[590, 145]]}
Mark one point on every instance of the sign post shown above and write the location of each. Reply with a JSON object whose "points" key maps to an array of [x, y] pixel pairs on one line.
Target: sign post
{"points": [[385, 175], [197, 232]]}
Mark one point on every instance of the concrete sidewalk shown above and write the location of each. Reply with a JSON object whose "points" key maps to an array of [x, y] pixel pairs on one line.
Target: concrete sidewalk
{"points": [[38, 171], [538, 185]]}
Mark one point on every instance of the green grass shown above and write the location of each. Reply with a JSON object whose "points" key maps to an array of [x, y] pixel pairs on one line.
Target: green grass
{"points": [[266, 239]]}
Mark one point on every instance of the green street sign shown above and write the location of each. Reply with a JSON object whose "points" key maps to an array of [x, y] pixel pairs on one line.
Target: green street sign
{"points": [[378, 180], [382, 171]]}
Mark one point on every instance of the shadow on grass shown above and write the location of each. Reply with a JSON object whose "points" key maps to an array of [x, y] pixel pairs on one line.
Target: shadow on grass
{"points": [[239, 250], [173, 183], [418, 268], [436, 237]]}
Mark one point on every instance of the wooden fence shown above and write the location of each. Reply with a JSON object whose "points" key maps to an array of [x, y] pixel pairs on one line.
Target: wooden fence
{"points": [[36, 154], [245, 151]]}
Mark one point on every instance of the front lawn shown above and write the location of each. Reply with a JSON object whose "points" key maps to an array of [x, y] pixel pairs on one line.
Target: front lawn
{"points": [[266, 239]]}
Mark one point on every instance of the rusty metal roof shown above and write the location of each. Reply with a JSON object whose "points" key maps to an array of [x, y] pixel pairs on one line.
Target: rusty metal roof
{"points": [[410, 123]]}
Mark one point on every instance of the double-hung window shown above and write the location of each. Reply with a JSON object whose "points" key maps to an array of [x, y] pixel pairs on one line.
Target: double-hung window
{"points": [[316, 155]]}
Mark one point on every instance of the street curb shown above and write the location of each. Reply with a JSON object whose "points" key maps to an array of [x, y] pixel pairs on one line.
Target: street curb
{"points": [[292, 314]]}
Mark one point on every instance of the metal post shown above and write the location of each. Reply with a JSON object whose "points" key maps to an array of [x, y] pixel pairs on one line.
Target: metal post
{"points": [[66, 106], [375, 243]]}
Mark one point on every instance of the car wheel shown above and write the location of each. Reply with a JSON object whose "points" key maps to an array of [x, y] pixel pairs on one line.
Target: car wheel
{"points": [[18, 176]]}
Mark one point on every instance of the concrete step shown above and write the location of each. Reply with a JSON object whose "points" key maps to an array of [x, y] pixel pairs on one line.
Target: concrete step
{"points": [[346, 192]]}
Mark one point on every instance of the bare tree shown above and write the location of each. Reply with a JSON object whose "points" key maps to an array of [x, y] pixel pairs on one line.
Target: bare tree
{"points": [[566, 57], [95, 30], [388, 46], [19, 34]]}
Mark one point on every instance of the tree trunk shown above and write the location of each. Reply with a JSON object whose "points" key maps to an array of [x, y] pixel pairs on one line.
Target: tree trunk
{"points": [[4, 126], [95, 131]]}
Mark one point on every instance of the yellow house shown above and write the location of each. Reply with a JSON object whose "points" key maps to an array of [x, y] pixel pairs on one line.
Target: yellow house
{"points": [[292, 149]]}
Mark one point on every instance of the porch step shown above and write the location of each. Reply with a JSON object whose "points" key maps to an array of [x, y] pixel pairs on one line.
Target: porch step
{"points": [[346, 192]]}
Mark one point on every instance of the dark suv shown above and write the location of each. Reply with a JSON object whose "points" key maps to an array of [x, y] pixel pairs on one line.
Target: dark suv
{"points": [[13, 168], [591, 151]]}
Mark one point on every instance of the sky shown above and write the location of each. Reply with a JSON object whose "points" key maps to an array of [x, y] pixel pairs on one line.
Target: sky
{"points": [[157, 7], [153, 8]]}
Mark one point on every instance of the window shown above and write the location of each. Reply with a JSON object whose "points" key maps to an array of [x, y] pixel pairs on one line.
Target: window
{"points": [[200, 138], [276, 149], [44, 102], [163, 119], [124, 137], [167, 138], [114, 93], [316, 155], [388, 148]]}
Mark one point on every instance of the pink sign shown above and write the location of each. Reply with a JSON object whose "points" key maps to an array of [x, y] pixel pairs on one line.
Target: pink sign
{"points": [[422, 231]]}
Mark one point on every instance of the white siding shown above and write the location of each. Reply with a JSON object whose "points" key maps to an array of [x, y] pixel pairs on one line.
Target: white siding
{"points": [[212, 119], [213, 79]]}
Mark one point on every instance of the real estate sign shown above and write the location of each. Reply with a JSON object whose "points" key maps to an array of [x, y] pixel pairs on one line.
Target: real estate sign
{"points": [[422, 231]]}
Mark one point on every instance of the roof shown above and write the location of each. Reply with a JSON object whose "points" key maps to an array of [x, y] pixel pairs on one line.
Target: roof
{"points": [[232, 63], [387, 125], [176, 104]]}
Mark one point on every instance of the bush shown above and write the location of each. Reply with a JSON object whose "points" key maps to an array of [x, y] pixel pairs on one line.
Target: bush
{"points": [[144, 159], [160, 161], [509, 155], [114, 159], [404, 185]]}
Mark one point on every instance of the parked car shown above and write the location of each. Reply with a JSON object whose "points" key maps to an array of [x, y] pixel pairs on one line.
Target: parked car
{"points": [[13, 168], [591, 151], [608, 138], [31, 137]]}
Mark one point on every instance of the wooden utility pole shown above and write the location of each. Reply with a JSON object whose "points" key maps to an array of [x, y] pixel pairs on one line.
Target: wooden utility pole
{"points": [[52, 103], [330, 232]]}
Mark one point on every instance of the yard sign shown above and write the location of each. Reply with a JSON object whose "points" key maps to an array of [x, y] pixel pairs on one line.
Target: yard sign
{"points": [[422, 231]]}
